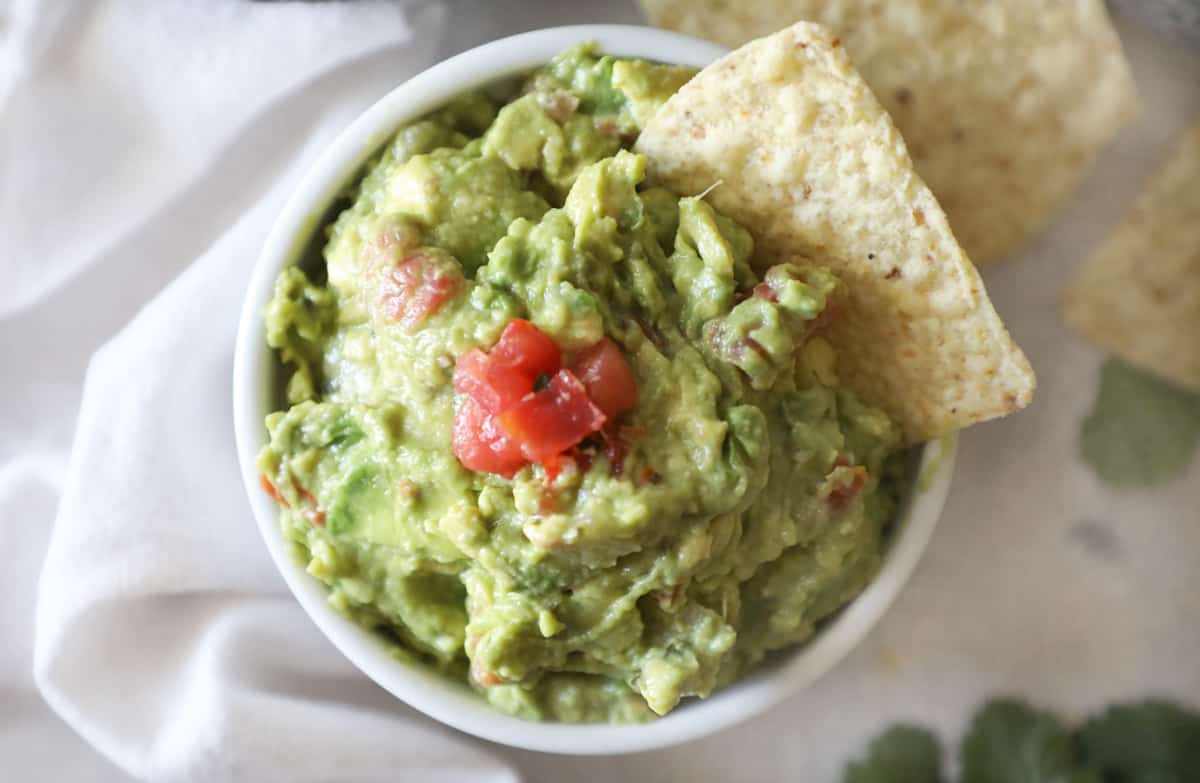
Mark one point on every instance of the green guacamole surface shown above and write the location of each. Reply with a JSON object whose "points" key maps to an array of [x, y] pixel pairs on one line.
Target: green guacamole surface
{"points": [[754, 491]]}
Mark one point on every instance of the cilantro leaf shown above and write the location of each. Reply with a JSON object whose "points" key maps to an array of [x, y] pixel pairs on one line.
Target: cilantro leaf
{"points": [[902, 754], [1152, 742], [1141, 430], [1009, 742]]}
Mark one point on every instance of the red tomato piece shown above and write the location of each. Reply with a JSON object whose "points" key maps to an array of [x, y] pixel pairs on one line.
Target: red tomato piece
{"points": [[484, 677], [471, 379], [550, 421], [525, 349], [481, 445], [495, 388], [616, 448], [415, 288], [841, 496], [499, 379], [315, 514], [309, 497], [507, 387], [765, 291], [555, 465], [606, 375], [270, 489]]}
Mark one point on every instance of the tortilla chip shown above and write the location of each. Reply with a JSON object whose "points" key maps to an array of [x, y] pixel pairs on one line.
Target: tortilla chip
{"points": [[1004, 105], [812, 165], [1139, 295]]}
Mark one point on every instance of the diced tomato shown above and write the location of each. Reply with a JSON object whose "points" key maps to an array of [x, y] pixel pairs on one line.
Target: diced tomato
{"points": [[408, 489], [555, 465], [507, 387], [309, 497], [616, 448], [548, 501], [484, 677], [497, 380], [608, 128], [841, 496], [493, 391], [649, 476], [606, 375], [525, 349], [271, 490], [416, 287], [481, 445], [507, 420], [765, 291], [470, 372], [554, 419], [316, 514]]}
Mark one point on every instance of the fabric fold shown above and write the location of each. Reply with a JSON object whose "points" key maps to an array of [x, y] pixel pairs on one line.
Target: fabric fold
{"points": [[115, 107], [164, 634]]}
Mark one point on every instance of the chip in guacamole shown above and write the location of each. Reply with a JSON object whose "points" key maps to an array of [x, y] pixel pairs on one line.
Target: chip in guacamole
{"points": [[789, 141]]}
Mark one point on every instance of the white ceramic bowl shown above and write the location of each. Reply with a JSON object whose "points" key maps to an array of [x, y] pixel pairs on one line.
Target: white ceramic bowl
{"points": [[454, 703]]}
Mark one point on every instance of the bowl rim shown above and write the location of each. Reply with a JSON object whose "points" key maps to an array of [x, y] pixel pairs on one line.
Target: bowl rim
{"points": [[420, 687]]}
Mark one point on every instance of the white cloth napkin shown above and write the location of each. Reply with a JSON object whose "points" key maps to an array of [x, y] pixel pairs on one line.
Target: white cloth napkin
{"points": [[164, 635], [139, 140], [136, 137]]}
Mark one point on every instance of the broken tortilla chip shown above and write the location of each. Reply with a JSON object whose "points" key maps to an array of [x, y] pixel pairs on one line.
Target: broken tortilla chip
{"points": [[811, 164], [1003, 105], [1138, 296]]}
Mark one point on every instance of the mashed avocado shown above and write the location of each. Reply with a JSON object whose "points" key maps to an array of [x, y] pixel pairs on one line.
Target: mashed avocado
{"points": [[734, 505]]}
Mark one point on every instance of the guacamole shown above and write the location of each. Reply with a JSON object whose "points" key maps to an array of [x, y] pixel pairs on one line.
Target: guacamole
{"points": [[558, 433]]}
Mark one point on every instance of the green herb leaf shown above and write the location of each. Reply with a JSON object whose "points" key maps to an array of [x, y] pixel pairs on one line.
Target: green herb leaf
{"points": [[1152, 742], [1142, 430], [902, 754], [1009, 742]]}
